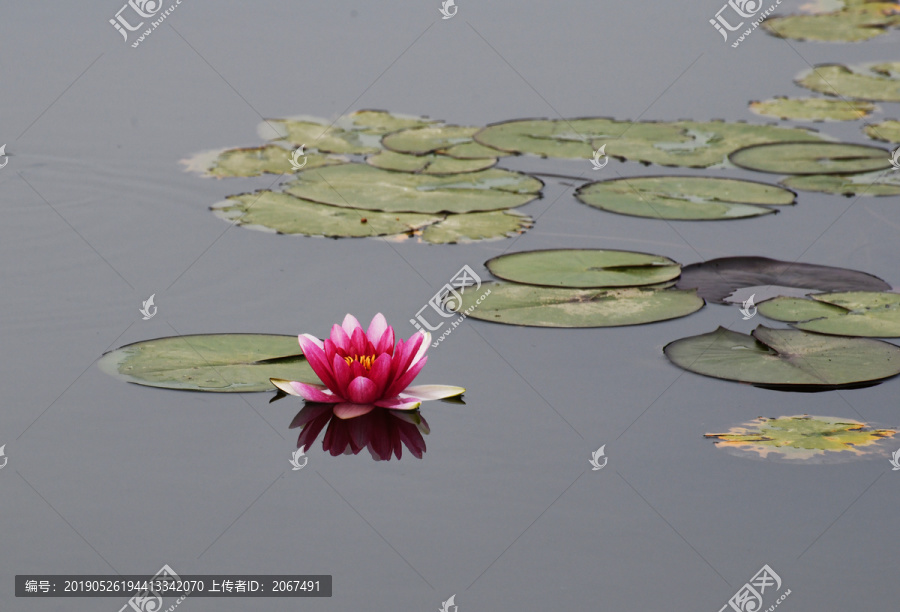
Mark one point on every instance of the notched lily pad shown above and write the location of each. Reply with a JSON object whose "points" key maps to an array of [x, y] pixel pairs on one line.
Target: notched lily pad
{"points": [[254, 161], [853, 313], [583, 268], [677, 143], [471, 227], [876, 83], [221, 363], [529, 305], [690, 198], [786, 359], [363, 186], [813, 109], [852, 24], [882, 183], [811, 158], [427, 164], [286, 214], [716, 279], [815, 439]]}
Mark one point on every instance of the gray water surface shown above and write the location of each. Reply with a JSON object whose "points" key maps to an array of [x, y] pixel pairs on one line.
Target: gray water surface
{"points": [[503, 510]]}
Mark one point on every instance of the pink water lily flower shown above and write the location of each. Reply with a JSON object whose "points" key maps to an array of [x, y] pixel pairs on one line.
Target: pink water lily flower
{"points": [[363, 369]]}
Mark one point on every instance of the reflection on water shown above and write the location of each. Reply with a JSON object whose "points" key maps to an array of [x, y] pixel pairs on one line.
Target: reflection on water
{"points": [[384, 432]]}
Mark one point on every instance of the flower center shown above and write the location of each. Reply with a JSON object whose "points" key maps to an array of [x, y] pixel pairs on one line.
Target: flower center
{"points": [[365, 360]]}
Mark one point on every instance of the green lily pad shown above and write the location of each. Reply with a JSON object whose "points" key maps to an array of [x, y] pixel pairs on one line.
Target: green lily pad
{"points": [[254, 161], [852, 24], [852, 313], [383, 122], [803, 437], [286, 214], [786, 359], [583, 268], [427, 164], [880, 83], [221, 363], [811, 158], [684, 197], [419, 141], [363, 186], [813, 109], [325, 138], [515, 304], [888, 131], [716, 279], [679, 143], [883, 183], [469, 227]]}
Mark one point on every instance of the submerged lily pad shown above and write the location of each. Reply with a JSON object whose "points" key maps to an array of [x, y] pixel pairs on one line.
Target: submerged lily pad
{"points": [[253, 161], [811, 158], [813, 109], [515, 304], [803, 437], [880, 83], [427, 164], [716, 279], [852, 313], [678, 143], [469, 227], [852, 24], [363, 186], [221, 363], [684, 197], [888, 131], [286, 214], [786, 359], [583, 268], [883, 183]]}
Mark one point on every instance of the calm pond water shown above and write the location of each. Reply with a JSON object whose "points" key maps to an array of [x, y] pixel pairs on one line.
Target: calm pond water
{"points": [[503, 511]]}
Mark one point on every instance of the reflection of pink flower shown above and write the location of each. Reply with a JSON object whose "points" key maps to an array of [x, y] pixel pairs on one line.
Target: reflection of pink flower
{"points": [[363, 369], [384, 432]]}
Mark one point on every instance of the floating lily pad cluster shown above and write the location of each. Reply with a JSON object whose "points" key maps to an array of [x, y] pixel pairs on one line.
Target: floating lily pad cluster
{"points": [[579, 288], [803, 438]]}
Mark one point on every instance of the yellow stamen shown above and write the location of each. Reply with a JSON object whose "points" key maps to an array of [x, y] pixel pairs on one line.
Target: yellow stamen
{"points": [[365, 360]]}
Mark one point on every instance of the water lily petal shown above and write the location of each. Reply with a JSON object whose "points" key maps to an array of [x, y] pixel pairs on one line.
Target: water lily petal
{"points": [[342, 374], [337, 438], [315, 393], [361, 390], [312, 429], [412, 437], [346, 410], [432, 392], [358, 342], [330, 350], [426, 341], [284, 385], [404, 380], [357, 370], [379, 373], [404, 355], [399, 403], [340, 338], [315, 356], [350, 324], [386, 342], [377, 328]]}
